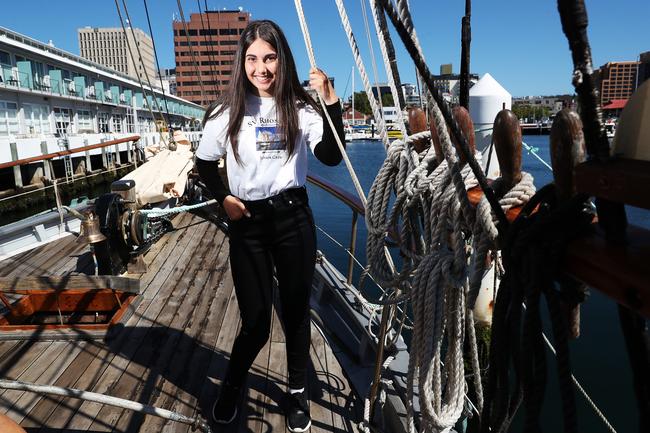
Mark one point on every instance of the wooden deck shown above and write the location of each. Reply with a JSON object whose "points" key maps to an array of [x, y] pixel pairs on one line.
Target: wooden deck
{"points": [[171, 353]]}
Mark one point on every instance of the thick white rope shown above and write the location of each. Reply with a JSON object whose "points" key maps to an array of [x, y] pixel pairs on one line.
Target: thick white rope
{"points": [[312, 61], [389, 71], [376, 111]]}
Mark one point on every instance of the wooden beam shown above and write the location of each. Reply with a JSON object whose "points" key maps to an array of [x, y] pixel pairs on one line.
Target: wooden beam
{"points": [[619, 271], [620, 180], [68, 282]]}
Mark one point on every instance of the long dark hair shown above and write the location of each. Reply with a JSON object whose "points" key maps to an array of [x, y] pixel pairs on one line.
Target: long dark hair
{"points": [[288, 93]]}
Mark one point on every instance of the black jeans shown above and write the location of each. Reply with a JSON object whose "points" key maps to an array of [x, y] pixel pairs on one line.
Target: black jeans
{"points": [[279, 234]]}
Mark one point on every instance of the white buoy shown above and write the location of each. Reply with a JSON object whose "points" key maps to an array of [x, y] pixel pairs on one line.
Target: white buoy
{"points": [[486, 98], [632, 138], [484, 305]]}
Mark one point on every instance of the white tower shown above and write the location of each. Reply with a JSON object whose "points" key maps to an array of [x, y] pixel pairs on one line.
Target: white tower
{"points": [[486, 98]]}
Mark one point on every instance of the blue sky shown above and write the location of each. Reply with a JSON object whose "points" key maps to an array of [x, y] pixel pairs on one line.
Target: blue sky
{"points": [[520, 43]]}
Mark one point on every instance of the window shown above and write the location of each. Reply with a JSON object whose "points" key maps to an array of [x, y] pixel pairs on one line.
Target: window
{"points": [[117, 123], [85, 121], [130, 127], [102, 122], [63, 120], [5, 59], [8, 118], [37, 119]]}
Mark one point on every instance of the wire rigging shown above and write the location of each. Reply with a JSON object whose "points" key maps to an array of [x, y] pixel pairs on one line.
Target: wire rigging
{"points": [[189, 45], [155, 56], [209, 43], [128, 45]]}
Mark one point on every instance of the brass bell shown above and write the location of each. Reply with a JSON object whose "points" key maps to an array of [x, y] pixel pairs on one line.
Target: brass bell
{"points": [[90, 232]]}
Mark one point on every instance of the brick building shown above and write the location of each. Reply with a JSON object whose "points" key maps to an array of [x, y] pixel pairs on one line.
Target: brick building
{"points": [[616, 80], [204, 55]]}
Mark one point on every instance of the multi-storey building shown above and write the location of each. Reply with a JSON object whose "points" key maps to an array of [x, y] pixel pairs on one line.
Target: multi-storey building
{"points": [[205, 49], [448, 83], [110, 47], [47, 93], [167, 77], [616, 80]]}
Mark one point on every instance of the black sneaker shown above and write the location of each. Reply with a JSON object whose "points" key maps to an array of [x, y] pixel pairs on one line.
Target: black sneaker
{"points": [[297, 412], [224, 409]]}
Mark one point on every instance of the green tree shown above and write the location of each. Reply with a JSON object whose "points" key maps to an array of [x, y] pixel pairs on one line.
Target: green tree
{"points": [[387, 100], [361, 103]]}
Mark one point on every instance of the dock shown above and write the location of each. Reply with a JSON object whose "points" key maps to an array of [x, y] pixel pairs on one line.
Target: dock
{"points": [[172, 352]]}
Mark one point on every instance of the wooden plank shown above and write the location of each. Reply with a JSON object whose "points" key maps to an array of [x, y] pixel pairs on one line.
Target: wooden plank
{"points": [[171, 371], [251, 418], [137, 380], [63, 413], [273, 413], [47, 405], [619, 271], [321, 403], [40, 259], [15, 363], [53, 369], [52, 354], [124, 345], [221, 353], [216, 362], [620, 180], [342, 395], [20, 284], [184, 399]]}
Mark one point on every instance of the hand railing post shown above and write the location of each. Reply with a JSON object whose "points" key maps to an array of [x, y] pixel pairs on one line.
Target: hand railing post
{"points": [[353, 246]]}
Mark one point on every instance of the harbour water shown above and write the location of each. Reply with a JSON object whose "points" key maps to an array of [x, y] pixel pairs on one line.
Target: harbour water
{"points": [[598, 357]]}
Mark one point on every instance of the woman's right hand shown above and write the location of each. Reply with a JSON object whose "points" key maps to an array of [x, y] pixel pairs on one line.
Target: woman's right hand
{"points": [[234, 208]]}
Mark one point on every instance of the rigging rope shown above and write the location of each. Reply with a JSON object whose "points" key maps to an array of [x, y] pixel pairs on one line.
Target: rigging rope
{"points": [[155, 55], [189, 44], [144, 69], [376, 111], [210, 46], [128, 45], [383, 35]]}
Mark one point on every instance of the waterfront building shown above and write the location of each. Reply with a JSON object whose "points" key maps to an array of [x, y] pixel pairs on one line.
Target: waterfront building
{"points": [[411, 95], [553, 103], [448, 83], [616, 80], [204, 48], [47, 94], [110, 47]]}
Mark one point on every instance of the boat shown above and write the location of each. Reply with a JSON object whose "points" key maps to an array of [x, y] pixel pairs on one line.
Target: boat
{"points": [[87, 347]]}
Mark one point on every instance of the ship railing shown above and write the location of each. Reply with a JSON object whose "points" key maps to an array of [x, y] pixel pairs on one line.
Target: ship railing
{"points": [[357, 208], [355, 205]]}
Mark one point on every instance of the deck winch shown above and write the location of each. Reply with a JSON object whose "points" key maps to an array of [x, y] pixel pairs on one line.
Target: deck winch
{"points": [[128, 232]]}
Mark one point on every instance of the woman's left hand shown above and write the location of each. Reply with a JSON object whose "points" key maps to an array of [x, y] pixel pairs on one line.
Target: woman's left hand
{"points": [[322, 85]]}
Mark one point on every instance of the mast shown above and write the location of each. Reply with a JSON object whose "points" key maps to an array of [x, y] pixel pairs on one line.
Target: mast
{"points": [[466, 39], [352, 95]]}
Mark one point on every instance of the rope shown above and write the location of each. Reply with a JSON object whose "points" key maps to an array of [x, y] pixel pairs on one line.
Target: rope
{"points": [[382, 31], [312, 61], [376, 111], [155, 54], [189, 44], [144, 92], [176, 210]]}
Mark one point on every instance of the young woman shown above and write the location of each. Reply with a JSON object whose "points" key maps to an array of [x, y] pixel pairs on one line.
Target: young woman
{"points": [[265, 124]]}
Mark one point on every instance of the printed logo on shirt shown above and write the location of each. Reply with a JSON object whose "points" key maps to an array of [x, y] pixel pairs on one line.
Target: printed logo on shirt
{"points": [[269, 138]]}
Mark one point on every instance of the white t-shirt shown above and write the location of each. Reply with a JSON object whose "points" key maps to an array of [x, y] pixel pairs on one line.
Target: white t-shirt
{"points": [[264, 169]]}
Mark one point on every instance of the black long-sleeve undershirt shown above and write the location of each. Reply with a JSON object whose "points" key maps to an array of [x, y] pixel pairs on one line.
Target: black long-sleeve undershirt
{"points": [[326, 151]]}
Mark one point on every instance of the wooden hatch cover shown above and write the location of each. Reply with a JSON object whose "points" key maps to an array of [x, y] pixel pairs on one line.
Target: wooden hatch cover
{"points": [[65, 307]]}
